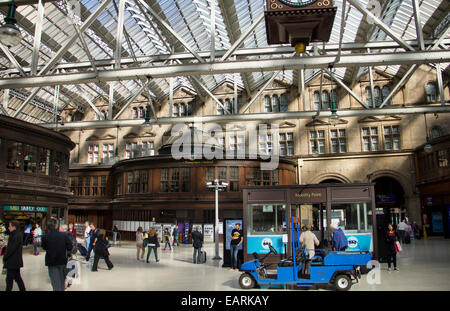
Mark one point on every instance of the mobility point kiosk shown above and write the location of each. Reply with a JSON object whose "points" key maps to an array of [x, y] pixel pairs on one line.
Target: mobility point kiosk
{"points": [[275, 216]]}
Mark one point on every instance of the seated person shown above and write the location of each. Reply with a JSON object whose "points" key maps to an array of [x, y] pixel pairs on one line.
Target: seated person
{"points": [[338, 240]]}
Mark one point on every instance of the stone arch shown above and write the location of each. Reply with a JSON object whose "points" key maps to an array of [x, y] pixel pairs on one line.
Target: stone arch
{"points": [[336, 176], [400, 178]]}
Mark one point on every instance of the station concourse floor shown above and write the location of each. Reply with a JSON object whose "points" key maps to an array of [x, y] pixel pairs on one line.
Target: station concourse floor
{"points": [[424, 265]]}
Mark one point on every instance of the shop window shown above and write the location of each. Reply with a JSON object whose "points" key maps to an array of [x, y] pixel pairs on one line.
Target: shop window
{"points": [[338, 141], [130, 182], [119, 184], [351, 217], [103, 186], [186, 179], [234, 178], [164, 180], [266, 218], [175, 180], [392, 137], [370, 139], [442, 158], [14, 155], [44, 161], [317, 141], [94, 185], [87, 185], [29, 158], [136, 182]]}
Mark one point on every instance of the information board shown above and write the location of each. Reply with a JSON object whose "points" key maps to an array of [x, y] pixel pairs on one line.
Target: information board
{"points": [[208, 232]]}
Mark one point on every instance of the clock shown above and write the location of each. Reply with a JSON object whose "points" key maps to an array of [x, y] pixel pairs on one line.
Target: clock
{"points": [[299, 22], [297, 3]]}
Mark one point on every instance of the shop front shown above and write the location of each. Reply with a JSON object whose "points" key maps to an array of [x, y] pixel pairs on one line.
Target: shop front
{"points": [[267, 211]]}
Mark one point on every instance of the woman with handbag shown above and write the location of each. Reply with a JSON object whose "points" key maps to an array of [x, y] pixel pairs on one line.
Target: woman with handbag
{"points": [[37, 235], [393, 247]]}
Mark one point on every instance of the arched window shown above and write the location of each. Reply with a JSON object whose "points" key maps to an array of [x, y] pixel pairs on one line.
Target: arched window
{"points": [[175, 110], [275, 103], [141, 112], [334, 97], [325, 100], [368, 97], [316, 100], [436, 132], [182, 110], [267, 104], [284, 103], [385, 91], [135, 114], [190, 108], [219, 108], [377, 96], [229, 106], [430, 90]]}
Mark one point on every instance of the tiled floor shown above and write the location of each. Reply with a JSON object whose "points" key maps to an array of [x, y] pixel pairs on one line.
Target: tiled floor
{"points": [[424, 265]]}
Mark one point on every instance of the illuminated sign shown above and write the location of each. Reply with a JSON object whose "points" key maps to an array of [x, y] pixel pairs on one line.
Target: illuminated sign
{"points": [[25, 208]]}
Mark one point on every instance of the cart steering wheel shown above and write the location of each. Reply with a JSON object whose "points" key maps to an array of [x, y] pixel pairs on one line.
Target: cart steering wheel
{"points": [[273, 250]]}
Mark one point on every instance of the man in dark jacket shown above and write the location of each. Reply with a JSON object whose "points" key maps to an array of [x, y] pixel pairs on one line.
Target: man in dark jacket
{"points": [[12, 260], [56, 244], [93, 234], [197, 239]]}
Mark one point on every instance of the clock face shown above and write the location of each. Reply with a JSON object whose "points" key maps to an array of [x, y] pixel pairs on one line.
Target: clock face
{"points": [[297, 3]]}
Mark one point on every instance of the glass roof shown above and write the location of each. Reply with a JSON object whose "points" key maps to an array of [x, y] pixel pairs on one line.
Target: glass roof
{"points": [[189, 20]]}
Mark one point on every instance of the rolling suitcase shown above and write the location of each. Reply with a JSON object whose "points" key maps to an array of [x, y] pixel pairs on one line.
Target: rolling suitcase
{"points": [[202, 256]]}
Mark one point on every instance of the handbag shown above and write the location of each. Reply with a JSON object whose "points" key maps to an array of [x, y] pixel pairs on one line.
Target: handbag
{"points": [[398, 247]]}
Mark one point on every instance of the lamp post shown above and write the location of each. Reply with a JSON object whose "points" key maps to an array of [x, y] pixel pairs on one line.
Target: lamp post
{"points": [[217, 184]]}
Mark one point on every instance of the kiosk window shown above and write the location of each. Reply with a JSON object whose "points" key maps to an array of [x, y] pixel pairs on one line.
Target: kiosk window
{"points": [[352, 217], [266, 218]]}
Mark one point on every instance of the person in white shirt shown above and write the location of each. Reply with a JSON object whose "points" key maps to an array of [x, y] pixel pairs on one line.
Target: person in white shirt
{"points": [[308, 240], [402, 230], [87, 236]]}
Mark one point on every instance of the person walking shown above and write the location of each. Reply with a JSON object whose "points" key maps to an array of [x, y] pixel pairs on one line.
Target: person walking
{"points": [[152, 244], [115, 230], [175, 235], [338, 240], [27, 232], [93, 236], [167, 239], [140, 243], [37, 239], [57, 245], [391, 239], [12, 259], [197, 243], [87, 235], [402, 230], [236, 241], [101, 251]]}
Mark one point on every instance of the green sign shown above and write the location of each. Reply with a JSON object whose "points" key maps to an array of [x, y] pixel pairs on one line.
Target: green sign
{"points": [[25, 208]]}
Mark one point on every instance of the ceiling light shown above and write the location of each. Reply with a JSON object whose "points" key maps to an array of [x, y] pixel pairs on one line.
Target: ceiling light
{"points": [[9, 33]]}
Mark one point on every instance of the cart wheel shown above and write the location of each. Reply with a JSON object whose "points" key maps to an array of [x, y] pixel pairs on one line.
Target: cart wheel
{"points": [[342, 282], [246, 281]]}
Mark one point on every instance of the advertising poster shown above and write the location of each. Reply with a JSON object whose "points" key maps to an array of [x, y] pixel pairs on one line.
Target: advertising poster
{"points": [[194, 227], [230, 225], [186, 233], [208, 234], [260, 243], [220, 224]]}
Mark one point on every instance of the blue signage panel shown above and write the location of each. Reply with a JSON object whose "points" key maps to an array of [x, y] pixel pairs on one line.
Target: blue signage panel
{"points": [[260, 243], [359, 242], [436, 222], [385, 198]]}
